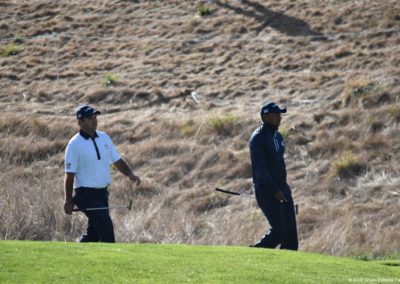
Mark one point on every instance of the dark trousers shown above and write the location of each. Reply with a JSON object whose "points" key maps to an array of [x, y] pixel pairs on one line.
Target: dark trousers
{"points": [[282, 219], [100, 227]]}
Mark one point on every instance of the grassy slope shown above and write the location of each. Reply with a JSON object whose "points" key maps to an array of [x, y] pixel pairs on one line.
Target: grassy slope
{"points": [[342, 95], [104, 263]]}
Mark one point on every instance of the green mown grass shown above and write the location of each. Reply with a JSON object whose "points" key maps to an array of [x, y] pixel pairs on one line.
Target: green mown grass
{"points": [[52, 262]]}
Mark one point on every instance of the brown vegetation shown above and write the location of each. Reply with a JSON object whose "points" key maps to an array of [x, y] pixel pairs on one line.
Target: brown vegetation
{"points": [[333, 64]]}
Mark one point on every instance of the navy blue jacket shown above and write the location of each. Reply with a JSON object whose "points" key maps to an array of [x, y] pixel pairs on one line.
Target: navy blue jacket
{"points": [[267, 160]]}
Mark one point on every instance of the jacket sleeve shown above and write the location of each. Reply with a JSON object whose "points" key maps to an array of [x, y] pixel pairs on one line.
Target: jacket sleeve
{"points": [[259, 165]]}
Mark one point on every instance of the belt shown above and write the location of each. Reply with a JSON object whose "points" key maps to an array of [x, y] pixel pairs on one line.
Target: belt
{"points": [[90, 188]]}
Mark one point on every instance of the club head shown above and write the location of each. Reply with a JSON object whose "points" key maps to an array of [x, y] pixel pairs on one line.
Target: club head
{"points": [[130, 205]]}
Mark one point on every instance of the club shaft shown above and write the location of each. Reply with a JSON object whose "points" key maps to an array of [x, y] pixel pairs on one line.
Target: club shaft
{"points": [[104, 208], [100, 208], [296, 207]]}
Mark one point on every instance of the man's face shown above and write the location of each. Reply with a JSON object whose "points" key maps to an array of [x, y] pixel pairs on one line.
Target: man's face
{"points": [[273, 118], [89, 124]]}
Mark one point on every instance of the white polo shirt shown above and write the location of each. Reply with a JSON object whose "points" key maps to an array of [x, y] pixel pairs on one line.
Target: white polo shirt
{"points": [[91, 167]]}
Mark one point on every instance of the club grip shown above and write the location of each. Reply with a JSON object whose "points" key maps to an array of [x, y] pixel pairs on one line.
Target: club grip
{"points": [[227, 191]]}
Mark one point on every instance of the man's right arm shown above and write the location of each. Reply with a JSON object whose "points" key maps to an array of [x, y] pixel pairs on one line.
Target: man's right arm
{"points": [[70, 164], [69, 188]]}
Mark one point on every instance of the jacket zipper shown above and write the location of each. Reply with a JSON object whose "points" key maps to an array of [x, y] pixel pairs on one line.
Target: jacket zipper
{"points": [[276, 143]]}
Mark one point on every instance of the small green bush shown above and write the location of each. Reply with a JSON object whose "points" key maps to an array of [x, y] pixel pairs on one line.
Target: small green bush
{"points": [[394, 111], [348, 165], [110, 79], [222, 125], [11, 49], [286, 133], [204, 10]]}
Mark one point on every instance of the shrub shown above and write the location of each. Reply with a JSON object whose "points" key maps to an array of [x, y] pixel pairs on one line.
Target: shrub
{"points": [[110, 79], [11, 49], [354, 90], [222, 125], [204, 10], [286, 133], [348, 165], [394, 111]]}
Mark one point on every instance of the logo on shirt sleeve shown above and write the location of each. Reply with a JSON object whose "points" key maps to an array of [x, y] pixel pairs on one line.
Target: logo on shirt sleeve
{"points": [[68, 166]]}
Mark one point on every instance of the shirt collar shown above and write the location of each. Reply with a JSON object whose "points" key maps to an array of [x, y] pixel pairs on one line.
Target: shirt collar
{"points": [[87, 136]]}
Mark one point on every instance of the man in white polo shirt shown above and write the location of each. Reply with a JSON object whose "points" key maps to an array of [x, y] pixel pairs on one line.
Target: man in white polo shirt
{"points": [[88, 158]]}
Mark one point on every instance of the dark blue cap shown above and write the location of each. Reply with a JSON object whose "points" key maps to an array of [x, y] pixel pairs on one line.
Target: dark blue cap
{"points": [[271, 107], [86, 111]]}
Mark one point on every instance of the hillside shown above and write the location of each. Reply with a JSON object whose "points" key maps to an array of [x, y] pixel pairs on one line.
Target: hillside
{"points": [[334, 64]]}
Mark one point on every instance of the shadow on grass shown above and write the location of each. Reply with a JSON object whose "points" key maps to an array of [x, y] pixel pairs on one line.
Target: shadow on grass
{"points": [[288, 25]]}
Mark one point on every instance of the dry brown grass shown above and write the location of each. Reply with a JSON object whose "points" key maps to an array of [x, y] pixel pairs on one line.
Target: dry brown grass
{"points": [[342, 93]]}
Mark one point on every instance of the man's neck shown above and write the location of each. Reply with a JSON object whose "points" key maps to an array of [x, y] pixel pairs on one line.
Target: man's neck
{"points": [[87, 135], [271, 126]]}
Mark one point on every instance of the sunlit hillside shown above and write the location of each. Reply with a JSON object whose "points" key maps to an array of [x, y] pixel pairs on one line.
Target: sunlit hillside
{"points": [[180, 84]]}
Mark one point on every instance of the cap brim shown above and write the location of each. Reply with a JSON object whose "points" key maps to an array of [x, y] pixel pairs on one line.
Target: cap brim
{"points": [[275, 111]]}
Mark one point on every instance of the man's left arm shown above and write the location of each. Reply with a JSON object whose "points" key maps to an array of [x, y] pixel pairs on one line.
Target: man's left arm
{"points": [[123, 167], [120, 163]]}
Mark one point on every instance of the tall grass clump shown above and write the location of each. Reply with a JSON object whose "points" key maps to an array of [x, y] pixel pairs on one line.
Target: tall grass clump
{"points": [[222, 125], [348, 165], [356, 89], [204, 10], [286, 133], [110, 80], [11, 49], [394, 111]]}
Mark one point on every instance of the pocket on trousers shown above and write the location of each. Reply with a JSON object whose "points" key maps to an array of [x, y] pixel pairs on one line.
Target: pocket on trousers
{"points": [[79, 199]]}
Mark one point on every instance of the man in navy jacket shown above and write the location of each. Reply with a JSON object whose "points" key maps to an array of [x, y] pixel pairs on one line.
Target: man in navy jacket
{"points": [[272, 192]]}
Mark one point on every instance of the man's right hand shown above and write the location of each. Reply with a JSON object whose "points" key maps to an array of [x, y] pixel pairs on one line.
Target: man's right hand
{"points": [[280, 197], [68, 206]]}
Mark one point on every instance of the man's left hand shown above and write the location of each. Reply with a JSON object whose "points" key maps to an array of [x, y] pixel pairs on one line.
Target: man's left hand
{"points": [[280, 197]]}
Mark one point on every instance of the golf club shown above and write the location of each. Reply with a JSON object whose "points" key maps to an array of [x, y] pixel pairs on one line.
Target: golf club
{"points": [[234, 193], [296, 207], [129, 206]]}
